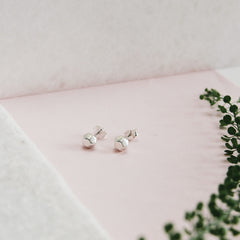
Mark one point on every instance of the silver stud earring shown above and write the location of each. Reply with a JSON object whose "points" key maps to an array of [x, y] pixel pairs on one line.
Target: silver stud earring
{"points": [[121, 142], [90, 139]]}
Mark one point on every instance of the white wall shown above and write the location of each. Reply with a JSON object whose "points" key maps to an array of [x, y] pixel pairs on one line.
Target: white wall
{"points": [[60, 44]]}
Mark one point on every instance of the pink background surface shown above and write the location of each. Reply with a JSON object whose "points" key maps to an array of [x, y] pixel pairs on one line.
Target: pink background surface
{"points": [[176, 161]]}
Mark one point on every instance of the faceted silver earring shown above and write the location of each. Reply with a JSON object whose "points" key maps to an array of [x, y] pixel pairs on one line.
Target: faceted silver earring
{"points": [[131, 134], [121, 142], [90, 139]]}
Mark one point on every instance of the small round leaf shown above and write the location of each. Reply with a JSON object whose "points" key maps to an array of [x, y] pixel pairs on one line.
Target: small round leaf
{"points": [[231, 130], [168, 227], [199, 206], [227, 119], [227, 99], [233, 108], [237, 120]]}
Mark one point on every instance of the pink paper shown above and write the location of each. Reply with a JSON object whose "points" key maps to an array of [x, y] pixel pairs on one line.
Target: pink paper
{"points": [[176, 161]]}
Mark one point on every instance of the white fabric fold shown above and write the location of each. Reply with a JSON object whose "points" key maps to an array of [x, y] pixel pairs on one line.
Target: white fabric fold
{"points": [[35, 202]]}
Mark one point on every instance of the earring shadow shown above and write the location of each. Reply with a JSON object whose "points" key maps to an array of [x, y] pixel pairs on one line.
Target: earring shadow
{"points": [[88, 149]]}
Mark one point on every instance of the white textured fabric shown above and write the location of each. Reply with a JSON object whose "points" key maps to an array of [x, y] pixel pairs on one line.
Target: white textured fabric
{"points": [[61, 44], [35, 203]]}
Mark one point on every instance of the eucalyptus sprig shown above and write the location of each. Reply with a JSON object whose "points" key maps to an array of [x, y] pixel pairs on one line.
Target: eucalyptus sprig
{"points": [[230, 120], [221, 215]]}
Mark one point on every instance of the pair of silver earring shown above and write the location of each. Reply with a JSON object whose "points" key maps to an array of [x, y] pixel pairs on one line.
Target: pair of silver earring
{"points": [[120, 142]]}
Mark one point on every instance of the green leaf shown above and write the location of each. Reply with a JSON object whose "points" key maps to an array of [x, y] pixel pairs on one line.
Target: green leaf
{"points": [[238, 148], [225, 139], [234, 231], [234, 142], [199, 224], [176, 236], [227, 119], [228, 146], [232, 130], [226, 136], [228, 152], [234, 172], [233, 108], [222, 123], [215, 93], [189, 215], [199, 206], [235, 220], [222, 109], [211, 102], [188, 232], [168, 227], [233, 159], [227, 99], [237, 120]]}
